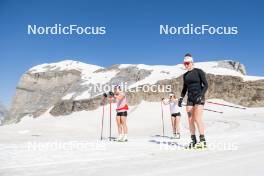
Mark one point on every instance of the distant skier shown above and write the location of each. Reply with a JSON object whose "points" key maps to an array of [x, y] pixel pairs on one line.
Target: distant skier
{"points": [[194, 81], [175, 114], [121, 109]]}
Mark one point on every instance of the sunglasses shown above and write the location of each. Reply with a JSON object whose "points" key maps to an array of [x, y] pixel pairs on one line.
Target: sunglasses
{"points": [[186, 63]]}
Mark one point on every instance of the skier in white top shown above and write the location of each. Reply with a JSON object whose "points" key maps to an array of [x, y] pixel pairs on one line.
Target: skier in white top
{"points": [[175, 114]]}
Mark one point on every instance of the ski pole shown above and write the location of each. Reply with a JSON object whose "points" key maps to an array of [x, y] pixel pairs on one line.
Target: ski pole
{"points": [[213, 111], [110, 125], [210, 102], [209, 110], [171, 121], [172, 126], [102, 124], [162, 118]]}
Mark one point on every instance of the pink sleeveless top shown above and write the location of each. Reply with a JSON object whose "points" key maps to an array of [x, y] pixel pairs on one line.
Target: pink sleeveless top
{"points": [[121, 105]]}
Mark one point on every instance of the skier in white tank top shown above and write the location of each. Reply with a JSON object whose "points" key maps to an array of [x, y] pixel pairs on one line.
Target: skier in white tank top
{"points": [[175, 114]]}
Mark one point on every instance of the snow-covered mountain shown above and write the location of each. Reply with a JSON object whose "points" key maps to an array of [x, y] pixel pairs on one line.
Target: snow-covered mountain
{"points": [[65, 87]]}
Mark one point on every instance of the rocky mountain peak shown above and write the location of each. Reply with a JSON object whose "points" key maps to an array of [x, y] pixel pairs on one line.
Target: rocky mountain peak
{"points": [[233, 65], [65, 87]]}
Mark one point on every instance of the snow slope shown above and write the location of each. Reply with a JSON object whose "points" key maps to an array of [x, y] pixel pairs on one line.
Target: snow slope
{"points": [[87, 70], [235, 140], [161, 72], [3, 112]]}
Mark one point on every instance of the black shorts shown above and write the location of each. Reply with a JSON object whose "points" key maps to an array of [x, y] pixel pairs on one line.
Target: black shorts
{"points": [[121, 113], [192, 100], [175, 114]]}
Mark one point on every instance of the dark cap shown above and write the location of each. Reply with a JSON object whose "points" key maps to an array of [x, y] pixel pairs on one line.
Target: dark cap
{"points": [[188, 55]]}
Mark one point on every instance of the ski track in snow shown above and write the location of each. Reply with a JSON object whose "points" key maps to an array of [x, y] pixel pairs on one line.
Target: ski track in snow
{"points": [[139, 156]]}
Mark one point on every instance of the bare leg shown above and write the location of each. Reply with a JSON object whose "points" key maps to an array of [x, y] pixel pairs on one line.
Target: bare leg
{"points": [[124, 125], [173, 125], [119, 126], [190, 114], [198, 117], [177, 124]]}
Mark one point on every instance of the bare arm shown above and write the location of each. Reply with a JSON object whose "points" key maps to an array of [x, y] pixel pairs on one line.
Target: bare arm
{"points": [[119, 96], [165, 102]]}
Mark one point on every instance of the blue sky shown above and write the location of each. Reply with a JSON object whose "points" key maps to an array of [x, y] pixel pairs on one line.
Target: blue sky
{"points": [[132, 34]]}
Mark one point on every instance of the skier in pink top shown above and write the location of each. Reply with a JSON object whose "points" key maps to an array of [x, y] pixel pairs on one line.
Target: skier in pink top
{"points": [[121, 109]]}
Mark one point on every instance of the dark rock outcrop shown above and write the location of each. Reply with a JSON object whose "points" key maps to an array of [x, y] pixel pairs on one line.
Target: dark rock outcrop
{"points": [[229, 88], [37, 92]]}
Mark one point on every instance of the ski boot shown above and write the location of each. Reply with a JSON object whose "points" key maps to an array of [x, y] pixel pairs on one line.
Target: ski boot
{"points": [[123, 138], [177, 136], [120, 138], [201, 144], [193, 143]]}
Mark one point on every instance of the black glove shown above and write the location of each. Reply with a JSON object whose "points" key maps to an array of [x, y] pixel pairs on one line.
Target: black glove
{"points": [[105, 95], [200, 99], [162, 99], [111, 93], [180, 102]]}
